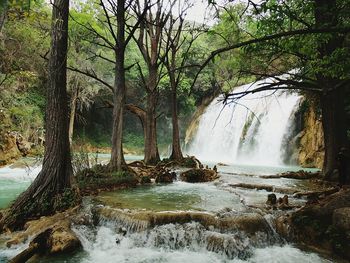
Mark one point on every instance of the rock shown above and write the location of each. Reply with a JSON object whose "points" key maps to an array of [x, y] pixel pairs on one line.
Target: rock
{"points": [[283, 203], [8, 148], [222, 164], [198, 175], [271, 199], [145, 180], [141, 220], [293, 175], [52, 235], [62, 239], [341, 218], [23, 146], [165, 177], [311, 150], [323, 225]]}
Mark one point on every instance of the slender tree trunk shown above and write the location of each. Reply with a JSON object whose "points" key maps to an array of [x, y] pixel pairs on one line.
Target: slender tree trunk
{"points": [[117, 156], [151, 147], [43, 196], [73, 107], [332, 98], [176, 153], [3, 11]]}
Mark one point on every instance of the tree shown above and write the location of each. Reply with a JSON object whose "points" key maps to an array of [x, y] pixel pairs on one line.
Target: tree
{"points": [[45, 195], [334, 119], [177, 48], [311, 38], [116, 41], [149, 42]]}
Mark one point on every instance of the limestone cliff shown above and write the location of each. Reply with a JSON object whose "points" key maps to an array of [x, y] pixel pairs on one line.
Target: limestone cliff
{"points": [[311, 147]]}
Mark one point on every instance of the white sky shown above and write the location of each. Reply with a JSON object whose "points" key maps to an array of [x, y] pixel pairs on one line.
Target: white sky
{"points": [[200, 12]]}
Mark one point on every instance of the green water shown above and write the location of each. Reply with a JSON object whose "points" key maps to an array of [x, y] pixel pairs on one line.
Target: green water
{"points": [[176, 196], [9, 190]]}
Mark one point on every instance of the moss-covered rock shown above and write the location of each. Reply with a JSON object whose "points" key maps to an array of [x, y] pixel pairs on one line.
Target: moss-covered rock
{"points": [[100, 178]]}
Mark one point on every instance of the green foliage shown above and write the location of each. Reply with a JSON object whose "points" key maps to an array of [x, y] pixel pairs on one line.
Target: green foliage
{"points": [[133, 141], [100, 177], [69, 198]]}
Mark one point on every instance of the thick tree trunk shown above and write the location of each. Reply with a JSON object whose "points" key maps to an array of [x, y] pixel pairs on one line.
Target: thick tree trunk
{"points": [[332, 98], [334, 126], [43, 196], [176, 153], [117, 157], [73, 107]]}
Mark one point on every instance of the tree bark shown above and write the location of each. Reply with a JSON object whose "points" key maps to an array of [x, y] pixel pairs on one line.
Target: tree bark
{"points": [[117, 157], [333, 94], [151, 146], [44, 194], [176, 153], [73, 107], [3, 12]]}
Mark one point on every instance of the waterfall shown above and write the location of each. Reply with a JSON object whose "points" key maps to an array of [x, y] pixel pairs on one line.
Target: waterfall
{"points": [[250, 131]]}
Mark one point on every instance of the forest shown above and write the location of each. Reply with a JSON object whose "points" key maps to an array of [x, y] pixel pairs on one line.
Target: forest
{"points": [[174, 131]]}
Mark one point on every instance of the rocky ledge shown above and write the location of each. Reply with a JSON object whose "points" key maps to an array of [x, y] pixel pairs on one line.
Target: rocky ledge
{"points": [[323, 225]]}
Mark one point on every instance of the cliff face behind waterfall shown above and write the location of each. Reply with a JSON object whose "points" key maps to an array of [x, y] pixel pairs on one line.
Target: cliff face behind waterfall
{"points": [[311, 150]]}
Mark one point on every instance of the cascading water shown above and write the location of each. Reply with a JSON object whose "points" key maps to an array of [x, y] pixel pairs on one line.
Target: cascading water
{"points": [[249, 131]]}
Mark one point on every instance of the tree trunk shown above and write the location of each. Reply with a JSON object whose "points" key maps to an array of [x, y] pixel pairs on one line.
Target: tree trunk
{"points": [[333, 94], [43, 196], [3, 11], [117, 156], [334, 126], [73, 107], [140, 113], [151, 147], [176, 153]]}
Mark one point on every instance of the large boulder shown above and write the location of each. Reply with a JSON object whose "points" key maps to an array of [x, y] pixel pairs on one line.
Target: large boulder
{"points": [[199, 175]]}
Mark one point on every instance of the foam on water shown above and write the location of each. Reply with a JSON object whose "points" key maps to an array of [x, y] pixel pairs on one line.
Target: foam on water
{"points": [[183, 243]]}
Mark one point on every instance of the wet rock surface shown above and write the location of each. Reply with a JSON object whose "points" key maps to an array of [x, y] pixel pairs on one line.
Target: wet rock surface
{"points": [[324, 224], [49, 235]]}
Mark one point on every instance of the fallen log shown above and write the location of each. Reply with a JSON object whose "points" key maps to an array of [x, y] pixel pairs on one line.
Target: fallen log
{"points": [[269, 188]]}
